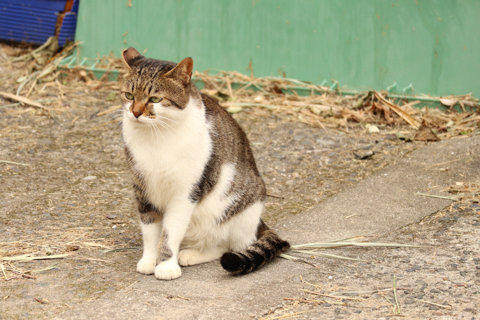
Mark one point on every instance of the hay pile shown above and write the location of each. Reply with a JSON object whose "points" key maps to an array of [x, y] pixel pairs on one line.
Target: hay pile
{"points": [[294, 100], [318, 106]]}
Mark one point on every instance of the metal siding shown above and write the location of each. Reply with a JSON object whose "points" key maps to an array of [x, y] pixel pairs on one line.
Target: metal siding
{"points": [[362, 44], [34, 21]]}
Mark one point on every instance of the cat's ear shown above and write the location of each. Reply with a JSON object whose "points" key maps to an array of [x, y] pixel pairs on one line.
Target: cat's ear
{"points": [[182, 71], [130, 55]]}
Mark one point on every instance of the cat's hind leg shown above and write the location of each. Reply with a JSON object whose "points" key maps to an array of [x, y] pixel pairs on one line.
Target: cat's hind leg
{"points": [[190, 257], [151, 237]]}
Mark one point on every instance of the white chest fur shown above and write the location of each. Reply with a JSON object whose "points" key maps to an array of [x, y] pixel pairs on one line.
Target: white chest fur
{"points": [[170, 156]]}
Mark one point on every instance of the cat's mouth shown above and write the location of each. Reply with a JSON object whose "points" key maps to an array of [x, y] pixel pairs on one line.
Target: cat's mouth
{"points": [[143, 117]]}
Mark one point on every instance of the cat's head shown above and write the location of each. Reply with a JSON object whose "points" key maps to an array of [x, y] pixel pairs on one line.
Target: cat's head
{"points": [[154, 90]]}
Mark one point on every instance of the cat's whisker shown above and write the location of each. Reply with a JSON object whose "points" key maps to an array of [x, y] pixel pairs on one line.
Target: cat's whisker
{"points": [[167, 118], [163, 127], [117, 125], [159, 129], [154, 128], [166, 126], [160, 118], [117, 118], [150, 127]]}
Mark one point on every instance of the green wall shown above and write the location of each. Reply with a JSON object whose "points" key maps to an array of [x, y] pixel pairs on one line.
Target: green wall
{"points": [[435, 45]]}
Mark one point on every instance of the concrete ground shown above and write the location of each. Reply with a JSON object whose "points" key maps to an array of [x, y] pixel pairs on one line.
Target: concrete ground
{"points": [[379, 205]]}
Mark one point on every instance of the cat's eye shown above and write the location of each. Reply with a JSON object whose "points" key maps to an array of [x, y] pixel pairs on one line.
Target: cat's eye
{"points": [[129, 96], [155, 99]]}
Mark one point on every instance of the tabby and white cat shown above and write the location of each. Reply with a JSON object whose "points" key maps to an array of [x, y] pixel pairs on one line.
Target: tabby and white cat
{"points": [[199, 192]]}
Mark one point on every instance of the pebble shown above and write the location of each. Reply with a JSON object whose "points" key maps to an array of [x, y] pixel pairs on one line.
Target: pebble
{"points": [[372, 128], [362, 155], [291, 183]]}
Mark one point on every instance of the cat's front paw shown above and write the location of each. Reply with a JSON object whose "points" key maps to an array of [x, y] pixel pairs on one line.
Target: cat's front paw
{"points": [[146, 266], [168, 270]]}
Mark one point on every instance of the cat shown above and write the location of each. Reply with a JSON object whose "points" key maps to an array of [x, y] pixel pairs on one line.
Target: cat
{"points": [[199, 192]]}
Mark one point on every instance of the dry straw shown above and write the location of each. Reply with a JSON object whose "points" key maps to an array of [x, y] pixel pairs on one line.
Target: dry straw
{"points": [[316, 249]]}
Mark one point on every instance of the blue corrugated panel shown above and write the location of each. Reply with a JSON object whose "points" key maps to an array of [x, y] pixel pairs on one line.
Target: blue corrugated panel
{"points": [[33, 21], [67, 32]]}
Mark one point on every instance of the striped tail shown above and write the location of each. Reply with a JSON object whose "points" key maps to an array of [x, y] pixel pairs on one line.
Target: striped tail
{"points": [[266, 248]]}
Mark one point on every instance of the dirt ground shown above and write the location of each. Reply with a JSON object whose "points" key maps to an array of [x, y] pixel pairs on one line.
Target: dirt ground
{"points": [[65, 189]]}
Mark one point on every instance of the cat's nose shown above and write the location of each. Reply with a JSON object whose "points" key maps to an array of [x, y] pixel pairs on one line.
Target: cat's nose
{"points": [[137, 114]]}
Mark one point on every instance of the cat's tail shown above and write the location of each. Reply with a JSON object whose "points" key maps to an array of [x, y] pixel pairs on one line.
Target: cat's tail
{"points": [[266, 248]]}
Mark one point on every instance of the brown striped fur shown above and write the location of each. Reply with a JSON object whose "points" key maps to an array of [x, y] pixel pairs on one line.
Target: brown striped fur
{"points": [[267, 247]]}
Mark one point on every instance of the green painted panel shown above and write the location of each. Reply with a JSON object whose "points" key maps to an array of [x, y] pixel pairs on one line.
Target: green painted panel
{"points": [[434, 45]]}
